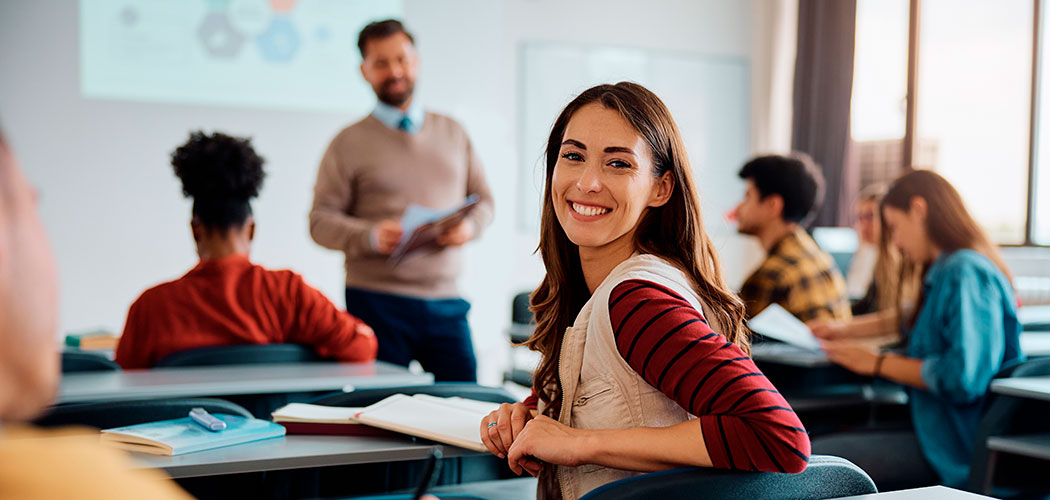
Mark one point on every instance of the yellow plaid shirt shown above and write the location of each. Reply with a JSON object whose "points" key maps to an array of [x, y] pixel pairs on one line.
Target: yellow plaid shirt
{"points": [[800, 277]]}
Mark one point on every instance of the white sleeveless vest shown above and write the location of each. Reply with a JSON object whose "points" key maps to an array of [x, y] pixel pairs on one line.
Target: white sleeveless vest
{"points": [[599, 389]]}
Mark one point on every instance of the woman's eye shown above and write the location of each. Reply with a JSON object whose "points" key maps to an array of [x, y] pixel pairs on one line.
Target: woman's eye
{"points": [[572, 156], [619, 164]]}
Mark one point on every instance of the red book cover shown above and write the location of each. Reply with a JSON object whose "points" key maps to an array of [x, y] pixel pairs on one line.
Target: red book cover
{"points": [[347, 429]]}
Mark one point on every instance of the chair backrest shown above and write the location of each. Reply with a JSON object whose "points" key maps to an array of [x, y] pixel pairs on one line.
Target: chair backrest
{"points": [[365, 397], [825, 477], [111, 414], [519, 309], [1008, 415], [248, 354], [73, 361], [521, 318]]}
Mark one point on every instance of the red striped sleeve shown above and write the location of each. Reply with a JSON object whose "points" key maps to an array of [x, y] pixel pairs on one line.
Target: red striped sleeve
{"points": [[533, 400], [746, 423]]}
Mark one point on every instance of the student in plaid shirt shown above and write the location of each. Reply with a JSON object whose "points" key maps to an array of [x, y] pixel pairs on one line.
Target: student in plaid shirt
{"points": [[781, 193]]}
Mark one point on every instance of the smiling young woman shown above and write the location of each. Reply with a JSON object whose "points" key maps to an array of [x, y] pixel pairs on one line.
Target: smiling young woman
{"points": [[644, 351]]}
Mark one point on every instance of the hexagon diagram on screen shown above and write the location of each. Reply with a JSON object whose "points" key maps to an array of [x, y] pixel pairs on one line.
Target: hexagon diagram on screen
{"points": [[279, 42], [219, 38]]}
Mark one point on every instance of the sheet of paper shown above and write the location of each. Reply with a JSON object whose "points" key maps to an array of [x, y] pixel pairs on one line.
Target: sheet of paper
{"points": [[776, 323], [417, 215], [422, 227]]}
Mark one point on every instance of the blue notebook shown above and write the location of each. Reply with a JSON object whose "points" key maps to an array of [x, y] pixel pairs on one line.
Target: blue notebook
{"points": [[182, 435]]}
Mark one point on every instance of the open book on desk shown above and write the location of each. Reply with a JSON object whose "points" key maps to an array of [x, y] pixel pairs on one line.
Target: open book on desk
{"points": [[453, 421], [776, 323], [303, 418], [422, 226], [183, 435]]}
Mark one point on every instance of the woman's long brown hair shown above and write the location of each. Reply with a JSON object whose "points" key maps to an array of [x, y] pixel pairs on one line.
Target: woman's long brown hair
{"points": [[949, 226], [674, 232]]}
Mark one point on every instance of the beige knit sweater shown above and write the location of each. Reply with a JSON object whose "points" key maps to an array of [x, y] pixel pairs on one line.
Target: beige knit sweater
{"points": [[371, 172]]}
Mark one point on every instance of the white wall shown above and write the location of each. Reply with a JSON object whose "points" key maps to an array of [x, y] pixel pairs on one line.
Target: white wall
{"points": [[117, 219]]}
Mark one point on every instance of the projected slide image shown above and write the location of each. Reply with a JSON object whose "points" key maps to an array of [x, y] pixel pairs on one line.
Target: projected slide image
{"points": [[289, 54]]}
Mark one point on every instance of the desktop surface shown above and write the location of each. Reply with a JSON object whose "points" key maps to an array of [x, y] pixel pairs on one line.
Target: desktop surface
{"points": [[232, 380]]}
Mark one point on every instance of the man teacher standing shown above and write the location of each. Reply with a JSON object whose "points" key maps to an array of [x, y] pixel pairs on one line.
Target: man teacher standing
{"points": [[397, 156]]}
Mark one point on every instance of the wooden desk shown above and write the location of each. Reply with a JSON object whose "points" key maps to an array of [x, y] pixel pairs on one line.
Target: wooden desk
{"points": [[1034, 316], [786, 354], [1035, 344], [295, 452], [232, 380], [928, 493], [1025, 387], [1030, 445]]}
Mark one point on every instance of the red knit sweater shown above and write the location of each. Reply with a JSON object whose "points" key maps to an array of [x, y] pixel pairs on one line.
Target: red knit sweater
{"points": [[231, 301]]}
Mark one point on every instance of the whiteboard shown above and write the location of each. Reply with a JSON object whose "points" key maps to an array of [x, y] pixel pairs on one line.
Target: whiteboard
{"points": [[278, 54], [708, 96]]}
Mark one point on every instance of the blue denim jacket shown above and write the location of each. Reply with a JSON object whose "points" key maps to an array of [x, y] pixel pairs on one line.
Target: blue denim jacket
{"points": [[966, 332]]}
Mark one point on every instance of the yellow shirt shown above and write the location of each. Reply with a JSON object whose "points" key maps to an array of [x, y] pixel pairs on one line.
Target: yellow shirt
{"points": [[799, 276], [70, 463]]}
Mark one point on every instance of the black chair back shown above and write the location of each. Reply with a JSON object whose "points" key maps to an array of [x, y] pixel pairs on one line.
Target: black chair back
{"points": [[365, 397], [1008, 415], [240, 355], [825, 477], [109, 414], [74, 361], [519, 310]]}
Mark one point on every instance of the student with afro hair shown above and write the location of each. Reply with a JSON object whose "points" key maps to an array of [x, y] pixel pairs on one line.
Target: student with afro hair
{"points": [[226, 299]]}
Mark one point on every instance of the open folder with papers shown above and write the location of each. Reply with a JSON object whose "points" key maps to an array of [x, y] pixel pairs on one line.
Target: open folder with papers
{"points": [[422, 226], [778, 324]]}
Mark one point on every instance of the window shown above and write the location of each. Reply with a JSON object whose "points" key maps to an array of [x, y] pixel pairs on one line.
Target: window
{"points": [[971, 112], [974, 102], [1041, 169]]}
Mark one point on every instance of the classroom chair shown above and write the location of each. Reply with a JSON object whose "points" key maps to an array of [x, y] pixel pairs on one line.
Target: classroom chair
{"points": [[76, 361], [109, 414], [1011, 415], [825, 477], [522, 323], [248, 354]]}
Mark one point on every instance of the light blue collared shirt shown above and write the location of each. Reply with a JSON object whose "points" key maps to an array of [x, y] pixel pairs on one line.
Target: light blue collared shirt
{"points": [[392, 117], [966, 332]]}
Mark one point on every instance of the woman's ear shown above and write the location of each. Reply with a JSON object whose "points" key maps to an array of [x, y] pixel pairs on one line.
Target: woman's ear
{"points": [[917, 207], [662, 190]]}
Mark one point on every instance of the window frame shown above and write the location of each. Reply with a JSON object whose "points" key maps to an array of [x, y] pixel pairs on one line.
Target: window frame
{"points": [[912, 97]]}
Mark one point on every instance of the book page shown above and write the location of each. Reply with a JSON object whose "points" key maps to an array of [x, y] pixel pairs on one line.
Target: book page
{"points": [[428, 417], [776, 323]]}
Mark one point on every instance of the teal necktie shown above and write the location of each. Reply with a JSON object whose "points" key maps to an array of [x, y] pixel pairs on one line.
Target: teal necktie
{"points": [[405, 124]]}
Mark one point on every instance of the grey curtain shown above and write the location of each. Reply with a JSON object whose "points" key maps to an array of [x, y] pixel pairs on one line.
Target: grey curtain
{"points": [[823, 86]]}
